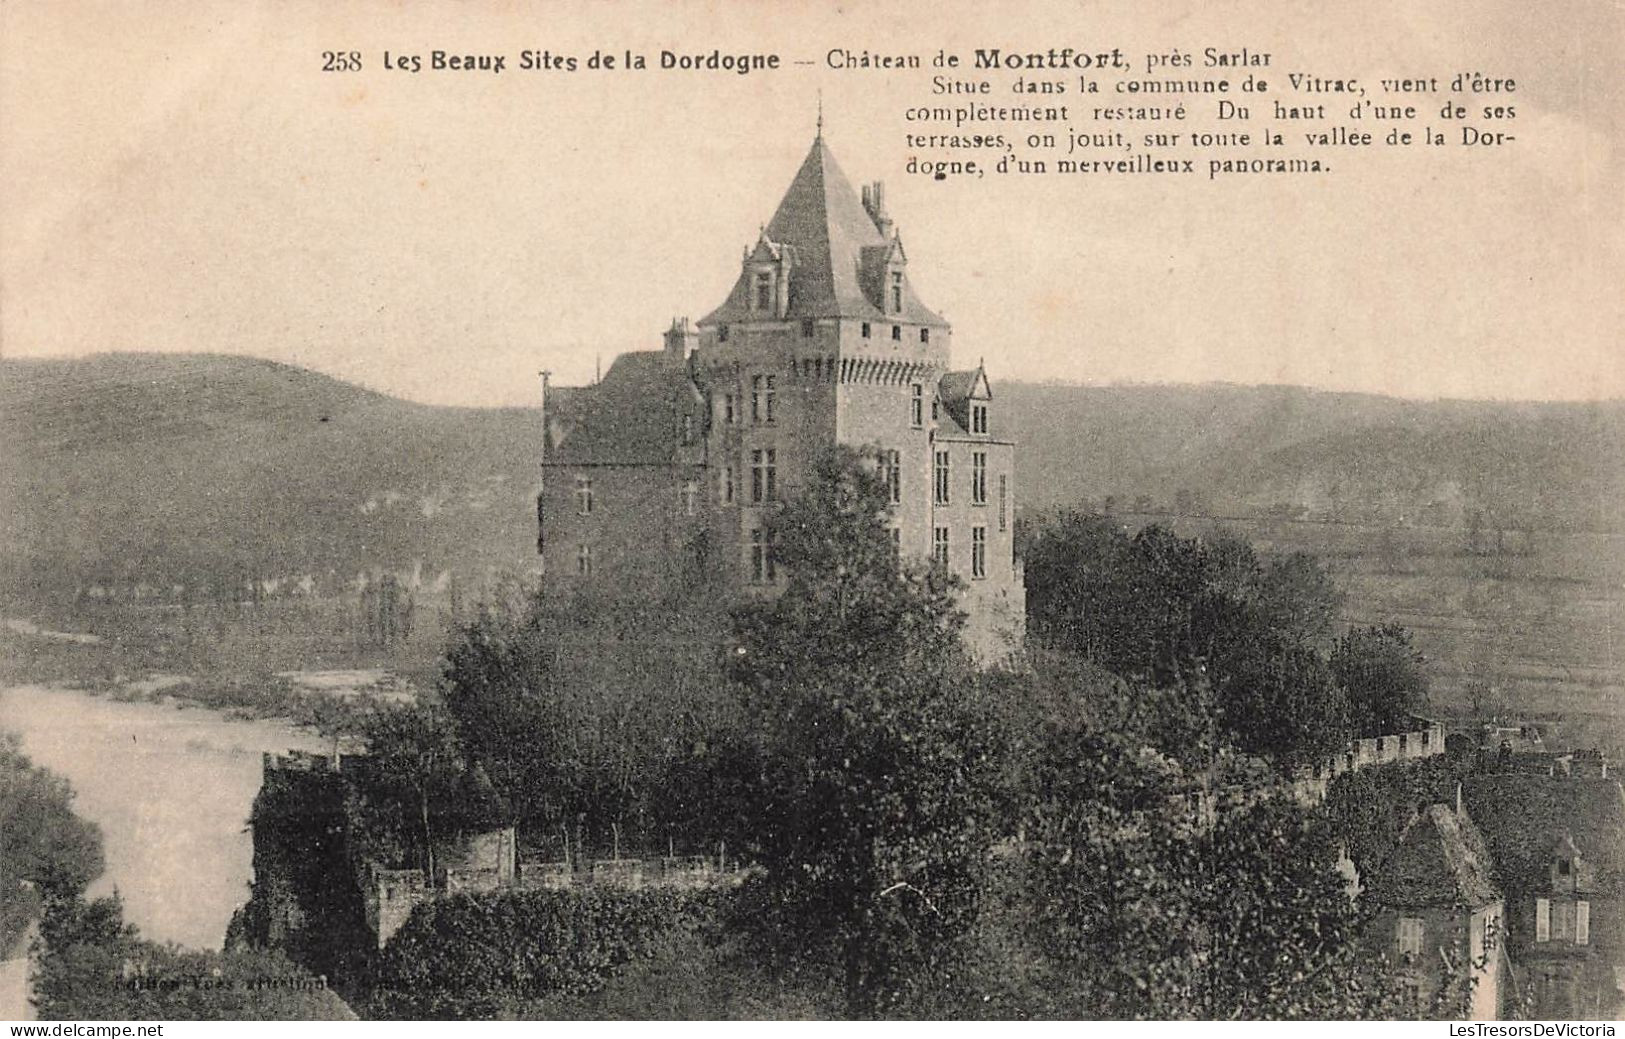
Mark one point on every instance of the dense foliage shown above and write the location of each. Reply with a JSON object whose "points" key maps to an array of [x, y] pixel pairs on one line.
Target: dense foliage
{"points": [[484, 957], [878, 799], [91, 965], [1158, 608], [46, 851]]}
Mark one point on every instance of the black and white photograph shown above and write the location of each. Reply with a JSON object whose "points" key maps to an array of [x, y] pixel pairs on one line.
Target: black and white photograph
{"points": [[718, 511]]}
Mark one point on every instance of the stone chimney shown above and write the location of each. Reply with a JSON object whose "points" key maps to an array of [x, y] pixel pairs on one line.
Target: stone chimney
{"points": [[681, 339], [874, 202]]}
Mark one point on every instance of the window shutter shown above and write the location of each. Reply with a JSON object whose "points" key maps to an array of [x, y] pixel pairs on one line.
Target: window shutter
{"points": [[1543, 920], [1582, 923]]}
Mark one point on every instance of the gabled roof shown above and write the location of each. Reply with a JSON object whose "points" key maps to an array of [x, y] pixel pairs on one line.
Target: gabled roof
{"points": [[630, 417], [957, 389], [1441, 861], [963, 385], [825, 223], [1525, 816]]}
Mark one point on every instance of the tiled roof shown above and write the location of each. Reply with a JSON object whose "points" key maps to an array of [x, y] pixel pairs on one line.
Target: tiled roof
{"points": [[1524, 817], [630, 417], [828, 229], [1441, 860]]}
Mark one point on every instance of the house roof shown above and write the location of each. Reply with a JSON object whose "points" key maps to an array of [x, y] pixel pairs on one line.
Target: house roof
{"points": [[955, 390], [828, 231], [1524, 817], [1441, 860], [629, 417]]}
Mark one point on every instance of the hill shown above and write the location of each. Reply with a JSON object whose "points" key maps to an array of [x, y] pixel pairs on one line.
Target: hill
{"points": [[155, 468], [1494, 529]]}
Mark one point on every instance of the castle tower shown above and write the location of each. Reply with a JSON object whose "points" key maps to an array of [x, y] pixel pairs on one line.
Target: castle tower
{"points": [[821, 340]]}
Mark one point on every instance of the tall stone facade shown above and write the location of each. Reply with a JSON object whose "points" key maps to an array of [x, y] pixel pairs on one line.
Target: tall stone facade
{"points": [[658, 477]]}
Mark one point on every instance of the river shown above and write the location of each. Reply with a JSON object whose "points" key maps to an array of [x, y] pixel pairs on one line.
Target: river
{"points": [[171, 788]]}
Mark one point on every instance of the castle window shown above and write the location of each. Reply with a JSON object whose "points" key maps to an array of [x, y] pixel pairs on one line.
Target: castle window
{"points": [[763, 567], [584, 561], [764, 291], [978, 418], [763, 475], [763, 394], [584, 495], [690, 498], [1582, 923], [729, 415], [978, 552], [917, 405], [1004, 499], [806, 328], [1543, 920], [722, 333], [541, 522], [728, 485], [897, 332], [978, 478], [897, 546], [865, 330], [896, 292], [925, 335], [894, 475], [940, 495], [1410, 938], [688, 429], [939, 545], [936, 410]]}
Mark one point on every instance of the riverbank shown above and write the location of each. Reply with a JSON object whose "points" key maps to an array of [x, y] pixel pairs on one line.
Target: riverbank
{"points": [[170, 784]]}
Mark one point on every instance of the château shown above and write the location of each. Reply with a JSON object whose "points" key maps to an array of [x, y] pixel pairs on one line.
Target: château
{"points": [[659, 476]]}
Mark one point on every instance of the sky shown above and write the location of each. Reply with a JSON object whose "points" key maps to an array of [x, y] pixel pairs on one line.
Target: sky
{"points": [[184, 177]]}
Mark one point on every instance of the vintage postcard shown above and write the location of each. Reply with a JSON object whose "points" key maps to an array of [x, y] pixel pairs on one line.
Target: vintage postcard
{"points": [[715, 510]]}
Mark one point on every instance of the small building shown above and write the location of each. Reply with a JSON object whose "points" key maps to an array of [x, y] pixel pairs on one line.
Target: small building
{"points": [[1559, 850], [1439, 914]]}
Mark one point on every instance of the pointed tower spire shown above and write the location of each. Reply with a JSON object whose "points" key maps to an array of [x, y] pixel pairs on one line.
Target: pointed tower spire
{"points": [[820, 134]]}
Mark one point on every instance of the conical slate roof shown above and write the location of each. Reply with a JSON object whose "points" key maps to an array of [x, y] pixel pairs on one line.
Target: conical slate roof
{"points": [[827, 230]]}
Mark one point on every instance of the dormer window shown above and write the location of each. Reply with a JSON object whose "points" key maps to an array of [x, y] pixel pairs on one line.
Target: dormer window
{"points": [[897, 292], [925, 335], [722, 333], [897, 332], [764, 291], [978, 418], [1564, 867], [865, 330]]}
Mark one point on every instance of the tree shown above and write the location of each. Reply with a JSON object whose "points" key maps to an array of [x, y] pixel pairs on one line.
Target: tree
{"points": [[1383, 676], [46, 851], [496, 683], [1173, 612], [416, 770], [877, 801], [1149, 909]]}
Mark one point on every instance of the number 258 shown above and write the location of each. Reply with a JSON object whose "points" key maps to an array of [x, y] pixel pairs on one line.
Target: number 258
{"points": [[341, 61]]}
